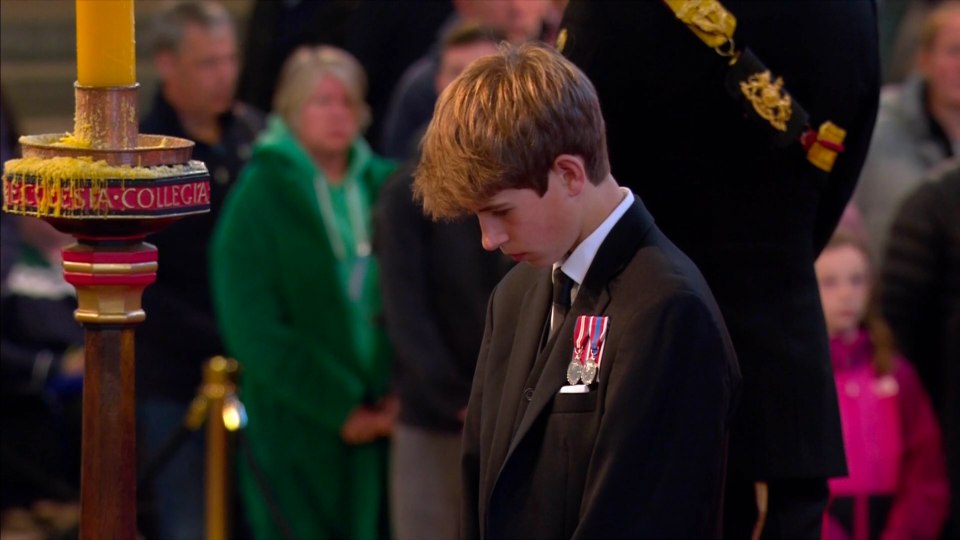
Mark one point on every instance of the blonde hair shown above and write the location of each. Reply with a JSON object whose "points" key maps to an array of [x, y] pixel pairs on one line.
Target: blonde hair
{"points": [[884, 347], [935, 21], [307, 65], [501, 124]]}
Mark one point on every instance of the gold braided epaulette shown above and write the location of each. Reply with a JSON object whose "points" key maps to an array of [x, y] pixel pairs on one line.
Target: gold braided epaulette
{"points": [[764, 96]]}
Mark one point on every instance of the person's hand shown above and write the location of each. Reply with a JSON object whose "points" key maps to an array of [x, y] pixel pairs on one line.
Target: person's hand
{"points": [[389, 408], [366, 423], [762, 492], [72, 363], [362, 426]]}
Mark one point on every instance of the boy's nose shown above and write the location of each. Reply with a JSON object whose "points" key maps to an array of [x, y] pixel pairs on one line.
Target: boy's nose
{"points": [[490, 236], [490, 243]]}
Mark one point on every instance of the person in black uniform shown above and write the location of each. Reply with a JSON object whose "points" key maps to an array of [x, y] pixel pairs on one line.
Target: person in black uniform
{"points": [[751, 213]]}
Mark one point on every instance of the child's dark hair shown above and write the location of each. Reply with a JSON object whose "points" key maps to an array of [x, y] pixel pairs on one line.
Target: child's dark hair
{"points": [[469, 33]]}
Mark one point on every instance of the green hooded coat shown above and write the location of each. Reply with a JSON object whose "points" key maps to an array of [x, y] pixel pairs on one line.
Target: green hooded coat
{"points": [[310, 350]]}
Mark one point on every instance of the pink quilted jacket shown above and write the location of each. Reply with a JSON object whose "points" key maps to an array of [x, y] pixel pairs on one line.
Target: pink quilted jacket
{"points": [[897, 485]]}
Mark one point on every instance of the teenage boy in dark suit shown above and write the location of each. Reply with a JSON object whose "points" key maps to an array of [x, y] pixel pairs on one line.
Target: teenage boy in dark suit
{"points": [[635, 445]]}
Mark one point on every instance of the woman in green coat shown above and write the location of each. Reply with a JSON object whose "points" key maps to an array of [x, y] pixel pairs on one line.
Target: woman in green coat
{"points": [[297, 297]]}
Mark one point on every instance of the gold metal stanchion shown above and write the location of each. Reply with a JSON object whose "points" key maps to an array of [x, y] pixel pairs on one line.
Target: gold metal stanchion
{"points": [[225, 413]]}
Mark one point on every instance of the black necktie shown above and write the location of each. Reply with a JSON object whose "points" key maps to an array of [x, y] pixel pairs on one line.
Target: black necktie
{"points": [[562, 286]]}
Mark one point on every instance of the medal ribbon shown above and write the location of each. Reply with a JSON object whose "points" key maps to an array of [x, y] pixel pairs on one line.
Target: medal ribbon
{"points": [[598, 331], [580, 336]]}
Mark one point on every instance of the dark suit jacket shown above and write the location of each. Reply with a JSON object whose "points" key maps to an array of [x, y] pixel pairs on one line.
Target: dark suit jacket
{"points": [[920, 281], [642, 454], [753, 217]]}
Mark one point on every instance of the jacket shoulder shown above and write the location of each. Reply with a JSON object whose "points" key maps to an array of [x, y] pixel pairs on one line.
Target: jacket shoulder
{"points": [[507, 295]]}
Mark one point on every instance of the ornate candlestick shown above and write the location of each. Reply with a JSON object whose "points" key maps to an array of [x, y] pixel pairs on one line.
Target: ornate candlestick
{"points": [[108, 186]]}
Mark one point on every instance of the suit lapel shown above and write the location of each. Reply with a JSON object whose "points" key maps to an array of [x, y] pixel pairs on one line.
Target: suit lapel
{"points": [[593, 298], [523, 355]]}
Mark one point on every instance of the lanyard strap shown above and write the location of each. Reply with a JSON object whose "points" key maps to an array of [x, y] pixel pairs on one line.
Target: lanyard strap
{"points": [[356, 213], [750, 82]]}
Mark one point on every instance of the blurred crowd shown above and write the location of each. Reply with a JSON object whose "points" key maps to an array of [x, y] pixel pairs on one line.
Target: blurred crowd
{"points": [[357, 320]]}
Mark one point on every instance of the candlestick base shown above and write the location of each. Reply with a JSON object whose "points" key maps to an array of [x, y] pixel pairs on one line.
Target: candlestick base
{"points": [[105, 117], [149, 150], [110, 279], [107, 193]]}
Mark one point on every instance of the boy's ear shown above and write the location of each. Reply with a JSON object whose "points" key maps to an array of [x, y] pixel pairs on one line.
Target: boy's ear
{"points": [[572, 171]]}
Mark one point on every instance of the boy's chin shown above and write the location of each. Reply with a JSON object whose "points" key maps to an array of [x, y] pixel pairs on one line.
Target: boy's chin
{"points": [[538, 263]]}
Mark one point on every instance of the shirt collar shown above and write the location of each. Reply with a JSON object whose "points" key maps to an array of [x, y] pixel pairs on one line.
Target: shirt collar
{"points": [[579, 261]]}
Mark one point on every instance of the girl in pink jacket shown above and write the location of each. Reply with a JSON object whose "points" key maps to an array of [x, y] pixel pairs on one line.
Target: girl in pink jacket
{"points": [[897, 485]]}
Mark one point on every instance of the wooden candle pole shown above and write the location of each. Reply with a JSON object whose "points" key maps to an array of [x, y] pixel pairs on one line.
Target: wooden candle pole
{"points": [[108, 494], [109, 278]]}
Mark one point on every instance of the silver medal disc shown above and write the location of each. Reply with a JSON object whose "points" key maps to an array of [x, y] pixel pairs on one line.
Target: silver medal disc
{"points": [[573, 372], [589, 372]]}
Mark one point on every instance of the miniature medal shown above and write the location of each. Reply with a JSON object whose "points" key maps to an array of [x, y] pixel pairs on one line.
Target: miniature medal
{"points": [[580, 337], [589, 371], [573, 371]]}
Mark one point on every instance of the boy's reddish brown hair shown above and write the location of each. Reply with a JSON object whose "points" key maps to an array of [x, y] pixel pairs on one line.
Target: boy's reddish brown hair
{"points": [[501, 124]]}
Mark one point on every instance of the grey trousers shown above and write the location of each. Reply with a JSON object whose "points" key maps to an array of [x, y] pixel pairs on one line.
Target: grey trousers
{"points": [[425, 484]]}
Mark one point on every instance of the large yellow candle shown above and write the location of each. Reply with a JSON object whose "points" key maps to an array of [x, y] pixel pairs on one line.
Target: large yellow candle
{"points": [[105, 44]]}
